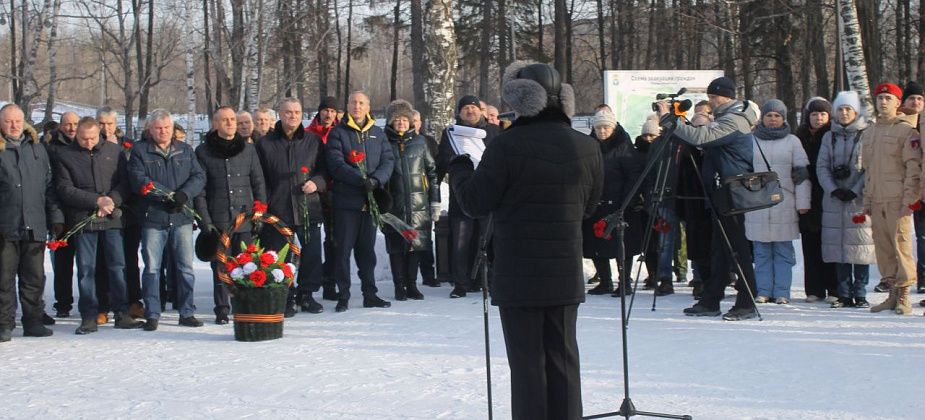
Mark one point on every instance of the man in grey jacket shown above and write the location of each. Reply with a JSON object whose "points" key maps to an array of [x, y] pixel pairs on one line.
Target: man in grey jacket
{"points": [[727, 150]]}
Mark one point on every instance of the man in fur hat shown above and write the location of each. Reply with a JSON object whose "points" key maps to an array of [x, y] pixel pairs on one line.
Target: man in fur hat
{"points": [[537, 196], [28, 206]]}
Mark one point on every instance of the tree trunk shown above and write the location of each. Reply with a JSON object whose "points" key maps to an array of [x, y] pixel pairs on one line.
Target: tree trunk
{"points": [[540, 45], [568, 76], [30, 88], [853, 50], [921, 67], [190, 71], [14, 80], [322, 22], [206, 65], [396, 30], [745, 50], [784, 67], [52, 63], [349, 48], [561, 15], [815, 46], [417, 53], [868, 17], [502, 29], [440, 68], [601, 47], [485, 50]]}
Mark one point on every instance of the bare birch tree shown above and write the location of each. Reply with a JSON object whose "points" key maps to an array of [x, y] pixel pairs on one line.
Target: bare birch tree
{"points": [[849, 31], [441, 59]]}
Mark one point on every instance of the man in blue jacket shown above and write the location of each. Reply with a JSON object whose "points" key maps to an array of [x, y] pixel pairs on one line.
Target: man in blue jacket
{"points": [[173, 170], [355, 229]]}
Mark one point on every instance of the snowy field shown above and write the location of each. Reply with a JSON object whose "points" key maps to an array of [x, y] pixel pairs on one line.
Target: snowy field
{"points": [[425, 360]]}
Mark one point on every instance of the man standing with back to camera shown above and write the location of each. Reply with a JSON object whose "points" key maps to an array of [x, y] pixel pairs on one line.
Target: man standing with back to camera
{"points": [[727, 150], [538, 180]]}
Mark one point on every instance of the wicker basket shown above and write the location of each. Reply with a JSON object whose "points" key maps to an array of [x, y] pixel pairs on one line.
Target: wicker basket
{"points": [[258, 313]]}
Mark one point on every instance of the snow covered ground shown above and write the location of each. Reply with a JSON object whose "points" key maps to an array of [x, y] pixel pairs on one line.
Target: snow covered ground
{"points": [[425, 360]]}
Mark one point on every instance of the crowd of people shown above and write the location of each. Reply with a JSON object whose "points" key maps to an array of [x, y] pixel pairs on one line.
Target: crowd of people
{"points": [[851, 191]]}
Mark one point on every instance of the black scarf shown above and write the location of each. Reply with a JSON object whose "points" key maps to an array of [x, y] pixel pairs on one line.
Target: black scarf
{"points": [[225, 148], [765, 133]]}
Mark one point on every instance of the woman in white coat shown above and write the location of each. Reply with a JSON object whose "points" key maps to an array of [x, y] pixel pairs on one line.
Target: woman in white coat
{"points": [[773, 230], [846, 236]]}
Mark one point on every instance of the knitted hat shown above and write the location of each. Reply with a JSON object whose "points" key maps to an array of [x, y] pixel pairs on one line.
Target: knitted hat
{"points": [[328, 102], [849, 98], [468, 100], [913, 88], [818, 104], [651, 126], [722, 86], [604, 118], [774, 105], [890, 88], [399, 108]]}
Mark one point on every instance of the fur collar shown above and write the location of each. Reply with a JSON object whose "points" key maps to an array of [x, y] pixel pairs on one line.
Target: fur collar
{"points": [[224, 148], [29, 134]]}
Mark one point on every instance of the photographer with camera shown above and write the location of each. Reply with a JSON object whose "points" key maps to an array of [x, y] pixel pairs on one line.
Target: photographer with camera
{"points": [[727, 149]]}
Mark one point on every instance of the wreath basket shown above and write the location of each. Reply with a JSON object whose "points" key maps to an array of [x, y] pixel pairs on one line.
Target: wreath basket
{"points": [[257, 311]]}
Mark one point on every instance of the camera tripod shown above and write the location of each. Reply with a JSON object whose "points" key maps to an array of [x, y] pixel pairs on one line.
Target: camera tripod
{"points": [[616, 222]]}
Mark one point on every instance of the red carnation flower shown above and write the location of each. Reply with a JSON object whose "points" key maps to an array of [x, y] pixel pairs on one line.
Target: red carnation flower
{"points": [[259, 278], [54, 245], [287, 271], [251, 248], [127, 145], [267, 259], [859, 219], [662, 226], [230, 266], [147, 188], [599, 227], [304, 169], [916, 206], [410, 234], [243, 258], [356, 156], [260, 207]]}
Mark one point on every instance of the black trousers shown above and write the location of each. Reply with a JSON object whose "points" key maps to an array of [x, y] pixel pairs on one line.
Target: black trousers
{"points": [[465, 234], [542, 354], [327, 271], [404, 266], [25, 260], [721, 260], [605, 273], [355, 232], [62, 263], [819, 278], [426, 257], [220, 298], [131, 242], [101, 278]]}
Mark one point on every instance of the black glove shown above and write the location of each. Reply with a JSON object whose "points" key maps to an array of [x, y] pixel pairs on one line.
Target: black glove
{"points": [[848, 195], [57, 229], [370, 184], [180, 198]]}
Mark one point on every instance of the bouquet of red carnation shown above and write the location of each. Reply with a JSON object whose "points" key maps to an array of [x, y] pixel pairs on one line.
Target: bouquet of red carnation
{"points": [[859, 218], [257, 267], [150, 188], [406, 231], [305, 216], [600, 227], [62, 241], [662, 225]]}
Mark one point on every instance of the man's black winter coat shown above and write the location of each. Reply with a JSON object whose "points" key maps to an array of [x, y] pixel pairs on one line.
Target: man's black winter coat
{"points": [[539, 180], [234, 179], [27, 198], [282, 160], [85, 175]]}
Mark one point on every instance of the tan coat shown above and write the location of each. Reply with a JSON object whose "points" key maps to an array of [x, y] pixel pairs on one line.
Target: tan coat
{"points": [[891, 158]]}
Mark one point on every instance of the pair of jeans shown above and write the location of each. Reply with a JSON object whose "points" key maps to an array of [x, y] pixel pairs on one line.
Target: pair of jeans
{"points": [[88, 244], [852, 280], [179, 239], [667, 243], [774, 263]]}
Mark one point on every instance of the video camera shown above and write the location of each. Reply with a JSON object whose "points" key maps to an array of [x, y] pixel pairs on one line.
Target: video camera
{"points": [[679, 107]]}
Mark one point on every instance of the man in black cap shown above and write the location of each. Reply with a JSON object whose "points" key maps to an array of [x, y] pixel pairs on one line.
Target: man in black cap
{"points": [[321, 125], [464, 230], [914, 103], [727, 150]]}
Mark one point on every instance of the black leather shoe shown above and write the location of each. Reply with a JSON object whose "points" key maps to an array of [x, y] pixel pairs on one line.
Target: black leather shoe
{"points": [[190, 321], [87, 326], [458, 292], [375, 302], [221, 319], [36, 331], [150, 324], [861, 303], [310, 305], [47, 320], [341, 305], [701, 310], [740, 314]]}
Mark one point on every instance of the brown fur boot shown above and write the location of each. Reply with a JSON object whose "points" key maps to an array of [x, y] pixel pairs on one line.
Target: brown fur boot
{"points": [[889, 303]]}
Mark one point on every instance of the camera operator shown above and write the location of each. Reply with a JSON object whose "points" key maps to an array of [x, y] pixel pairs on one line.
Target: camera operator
{"points": [[727, 150]]}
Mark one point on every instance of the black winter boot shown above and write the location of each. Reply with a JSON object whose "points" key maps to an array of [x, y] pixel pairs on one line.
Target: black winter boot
{"points": [[124, 321], [595, 279], [342, 305], [622, 287], [328, 293], [412, 292], [292, 307], [310, 305], [6, 335], [36, 331], [400, 291], [649, 284], [665, 287], [150, 324], [47, 320], [458, 292], [604, 287], [87, 326], [373, 301]]}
